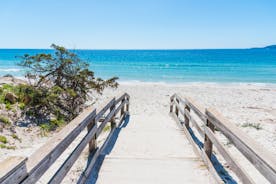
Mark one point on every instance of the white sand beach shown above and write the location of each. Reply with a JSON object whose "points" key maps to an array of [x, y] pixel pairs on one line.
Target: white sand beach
{"points": [[239, 103]]}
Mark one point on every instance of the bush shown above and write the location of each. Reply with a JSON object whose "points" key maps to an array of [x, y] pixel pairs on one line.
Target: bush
{"points": [[7, 147], [14, 136], [3, 139], [5, 120], [257, 126], [59, 87]]}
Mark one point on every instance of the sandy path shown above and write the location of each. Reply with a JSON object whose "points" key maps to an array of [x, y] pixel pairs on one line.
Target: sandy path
{"points": [[151, 149]]}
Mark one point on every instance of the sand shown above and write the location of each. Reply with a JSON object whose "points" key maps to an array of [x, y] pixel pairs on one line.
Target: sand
{"points": [[239, 103]]}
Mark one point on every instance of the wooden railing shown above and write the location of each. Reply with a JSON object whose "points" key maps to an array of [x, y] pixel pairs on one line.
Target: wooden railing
{"points": [[193, 113], [29, 170]]}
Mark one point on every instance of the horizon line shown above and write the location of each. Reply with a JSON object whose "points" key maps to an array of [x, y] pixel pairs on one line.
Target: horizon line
{"points": [[229, 48]]}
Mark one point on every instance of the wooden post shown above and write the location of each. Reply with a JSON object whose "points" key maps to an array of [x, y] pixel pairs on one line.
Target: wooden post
{"points": [[123, 108], [93, 142], [113, 122], [176, 109], [186, 119], [127, 105], [208, 145], [171, 105]]}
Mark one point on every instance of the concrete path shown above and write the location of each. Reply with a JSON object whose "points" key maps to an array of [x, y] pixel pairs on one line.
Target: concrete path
{"points": [[150, 149]]}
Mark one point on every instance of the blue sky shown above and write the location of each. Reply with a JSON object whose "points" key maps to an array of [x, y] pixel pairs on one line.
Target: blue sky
{"points": [[137, 24]]}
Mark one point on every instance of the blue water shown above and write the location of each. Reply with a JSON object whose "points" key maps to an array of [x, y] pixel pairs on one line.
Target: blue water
{"points": [[172, 66]]}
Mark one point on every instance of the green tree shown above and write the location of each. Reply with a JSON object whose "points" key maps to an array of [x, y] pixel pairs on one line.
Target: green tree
{"points": [[59, 84]]}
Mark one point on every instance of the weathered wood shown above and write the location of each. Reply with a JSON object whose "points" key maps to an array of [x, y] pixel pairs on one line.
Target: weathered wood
{"points": [[123, 96], [263, 160], [42, 159], [208, 145], [122, 109], [193, 121], [113, 122], [211, 167], [179, 98], [13, 170], [127, 105], [177, 107], [93, 142], [104, 108], [186, 119], [109, 116], [196, 108], [85, 175], [63, 170], [171, 104], [197, 150], [234, 165]]}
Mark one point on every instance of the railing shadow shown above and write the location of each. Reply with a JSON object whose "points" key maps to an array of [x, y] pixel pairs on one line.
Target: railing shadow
{"points": [[224, 175], [108, 148]]}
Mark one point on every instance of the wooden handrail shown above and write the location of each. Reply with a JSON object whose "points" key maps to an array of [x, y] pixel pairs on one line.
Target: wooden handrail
{"points": [[29, 170], [263, 160]]}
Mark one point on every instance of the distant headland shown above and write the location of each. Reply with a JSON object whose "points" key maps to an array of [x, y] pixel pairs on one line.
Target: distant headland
{"points": [[267, 47]]}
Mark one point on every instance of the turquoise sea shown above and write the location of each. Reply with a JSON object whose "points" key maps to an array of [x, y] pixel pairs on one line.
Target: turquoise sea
{"points": [[170, 66]]}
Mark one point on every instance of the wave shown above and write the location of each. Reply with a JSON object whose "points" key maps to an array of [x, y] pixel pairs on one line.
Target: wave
{"points": [[10, 70]]}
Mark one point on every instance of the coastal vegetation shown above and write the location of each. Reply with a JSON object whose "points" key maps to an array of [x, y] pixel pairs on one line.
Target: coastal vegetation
{"points": [[57, 89]]}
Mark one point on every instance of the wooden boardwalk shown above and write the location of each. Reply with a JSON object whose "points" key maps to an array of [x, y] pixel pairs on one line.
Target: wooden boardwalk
{"points": [[145, 145], [151, 151]]}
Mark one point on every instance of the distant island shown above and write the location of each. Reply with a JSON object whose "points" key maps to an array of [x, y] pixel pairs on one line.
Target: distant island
{"points": [[267, 47], [270, 47]]}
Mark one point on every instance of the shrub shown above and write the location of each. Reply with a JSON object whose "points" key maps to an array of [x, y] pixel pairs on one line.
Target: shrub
{"points": [[8, 106], [16, 137], [3, 139], [257, 126], [5, 120], [7, 147], [59, 84]]}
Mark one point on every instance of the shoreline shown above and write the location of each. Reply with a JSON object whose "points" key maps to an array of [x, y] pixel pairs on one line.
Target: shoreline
{"points": [[179, 84], [200, 83]]}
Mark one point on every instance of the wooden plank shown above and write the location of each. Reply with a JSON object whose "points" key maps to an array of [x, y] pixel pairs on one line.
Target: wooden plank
{"points": [[42, 159], [123, 96], [172, 97], [199, 129], [127, 104], [261, 158], [171, 104], [234, 165], [178, 107], [186, 111], [200, 153], [108, 118], [87, 173], [123, 107], [66, 166], [196, 108], [180, 99], [13, 170], [104, 107]]}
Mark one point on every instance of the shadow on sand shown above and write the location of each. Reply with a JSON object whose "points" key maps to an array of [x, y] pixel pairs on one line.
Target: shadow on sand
{"points": [[224, 175], [108, 148]]}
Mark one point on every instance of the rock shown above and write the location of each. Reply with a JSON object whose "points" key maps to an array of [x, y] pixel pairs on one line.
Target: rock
{"points": [[27, 100], [11, 97]]}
